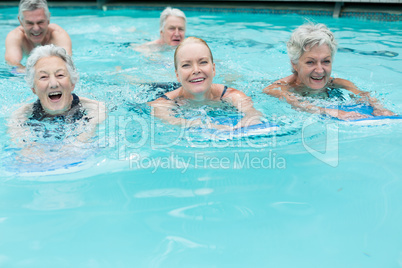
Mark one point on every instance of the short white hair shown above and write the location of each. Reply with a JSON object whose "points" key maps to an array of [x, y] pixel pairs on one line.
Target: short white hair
{"points": [[170, 12], [41, 52], [308, 35], [31, 5]]}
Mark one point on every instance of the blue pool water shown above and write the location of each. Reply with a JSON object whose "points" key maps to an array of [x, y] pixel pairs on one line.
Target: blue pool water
{"points": [[318, 193]]}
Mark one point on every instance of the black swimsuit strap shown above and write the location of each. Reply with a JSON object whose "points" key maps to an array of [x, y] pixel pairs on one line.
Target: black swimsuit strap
{"points": [[39, 114], [165, 97], [223, 92]]}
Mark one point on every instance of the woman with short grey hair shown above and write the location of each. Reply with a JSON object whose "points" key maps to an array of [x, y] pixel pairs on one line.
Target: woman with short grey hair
{"points": [[307, 36], [311, 50], [49, 51], [52, 76]]}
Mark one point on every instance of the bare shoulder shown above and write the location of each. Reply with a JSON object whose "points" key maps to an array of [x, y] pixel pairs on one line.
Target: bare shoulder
{"points": [[16, 34], [55, 28], [22, 113], [232, 92], [339, 82], [91, 104], [96, 110], [346, 84], [279, 87]]}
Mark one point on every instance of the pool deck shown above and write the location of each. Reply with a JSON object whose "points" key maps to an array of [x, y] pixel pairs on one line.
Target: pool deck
{"points": [[387, 10]]}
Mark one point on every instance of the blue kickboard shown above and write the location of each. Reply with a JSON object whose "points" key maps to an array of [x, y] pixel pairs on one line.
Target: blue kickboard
{"points": [[367, 110]]}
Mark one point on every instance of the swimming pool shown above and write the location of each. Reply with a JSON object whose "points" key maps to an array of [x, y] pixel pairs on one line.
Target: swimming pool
{"points": [[317, 194]]}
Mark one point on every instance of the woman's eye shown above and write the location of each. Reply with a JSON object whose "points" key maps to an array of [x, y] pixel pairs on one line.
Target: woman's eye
{"points": [[185, 65]]}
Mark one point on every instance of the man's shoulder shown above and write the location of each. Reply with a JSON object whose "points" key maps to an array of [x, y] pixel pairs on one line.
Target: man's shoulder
{"points": [[55, 29], [17, 33]]}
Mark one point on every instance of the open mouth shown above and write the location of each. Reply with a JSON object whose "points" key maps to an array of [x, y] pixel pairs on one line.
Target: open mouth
{"points": [[317, 78], [36, 34], [55, 96], [197, 80]]}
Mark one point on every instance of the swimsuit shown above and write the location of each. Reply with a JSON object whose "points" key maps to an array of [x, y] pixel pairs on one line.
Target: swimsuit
{"points": [[45, 126], [74, 114]]}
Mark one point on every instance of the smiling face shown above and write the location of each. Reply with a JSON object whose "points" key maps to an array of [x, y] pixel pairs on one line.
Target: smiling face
{"points": [[52, 85], [314, 67], [173, 31], [35, 25], [195, 69]]}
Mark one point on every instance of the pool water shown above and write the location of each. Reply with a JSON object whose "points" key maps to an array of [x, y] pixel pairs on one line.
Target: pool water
{"points": [[317, 193]]}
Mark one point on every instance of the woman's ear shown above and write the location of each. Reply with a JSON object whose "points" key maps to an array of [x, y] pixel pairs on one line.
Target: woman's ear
{"points": [[33, 91], [294, 66], [177, 76]]}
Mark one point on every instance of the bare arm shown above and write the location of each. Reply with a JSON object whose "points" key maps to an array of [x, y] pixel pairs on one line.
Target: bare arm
{"points": [[17, 130], [14, 49], [96, 113], [245, 105], [61, 38], [163, 109], [379, 110], [280, 90]]}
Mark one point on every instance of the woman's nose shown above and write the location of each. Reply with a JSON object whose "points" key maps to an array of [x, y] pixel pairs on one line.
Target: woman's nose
{"points": [[319, 68], [196, 69], [53, 82]]}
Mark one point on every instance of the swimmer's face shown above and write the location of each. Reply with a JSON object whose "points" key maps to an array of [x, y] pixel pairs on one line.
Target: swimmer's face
{"points": [[173, 31], [195, 69], [35, 25], [52, 85], [314, 67]]}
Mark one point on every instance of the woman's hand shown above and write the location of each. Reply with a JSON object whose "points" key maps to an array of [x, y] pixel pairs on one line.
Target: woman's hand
{"points": [[382, 112], [343, 115], [248, 120]]}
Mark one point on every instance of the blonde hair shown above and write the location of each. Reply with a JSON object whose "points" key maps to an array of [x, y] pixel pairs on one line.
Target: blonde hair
{"points": [[190, 40]]}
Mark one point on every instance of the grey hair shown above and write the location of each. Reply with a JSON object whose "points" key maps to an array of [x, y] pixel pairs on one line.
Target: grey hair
{"points": [[41, 52], [31, 5], [170, 12], [308, 35]]}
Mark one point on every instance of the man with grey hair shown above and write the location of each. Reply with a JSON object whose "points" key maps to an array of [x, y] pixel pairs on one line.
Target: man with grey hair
{"points": [[172, 30], [35, 30]]}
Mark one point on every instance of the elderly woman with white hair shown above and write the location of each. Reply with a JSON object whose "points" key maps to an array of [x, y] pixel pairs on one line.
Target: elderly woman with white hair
{"points": [[52, 76], [311, 50]]}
